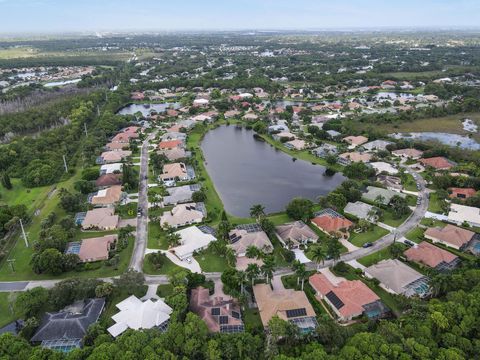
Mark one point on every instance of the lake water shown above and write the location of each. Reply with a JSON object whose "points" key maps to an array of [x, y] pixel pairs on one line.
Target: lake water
{"points": [[445, 138], [247, 171], [145, 110]]}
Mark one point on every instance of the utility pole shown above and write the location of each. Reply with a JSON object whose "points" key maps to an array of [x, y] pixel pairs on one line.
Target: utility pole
{"points": [[11, 262], [65, 163], [85, 127], [23, 233]]}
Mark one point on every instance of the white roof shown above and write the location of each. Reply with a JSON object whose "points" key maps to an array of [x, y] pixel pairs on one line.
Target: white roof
{"points": [[200, 101], [110, 168], [460, 213], [137, 314], [381, 166], [192, 239], [245, 95]]}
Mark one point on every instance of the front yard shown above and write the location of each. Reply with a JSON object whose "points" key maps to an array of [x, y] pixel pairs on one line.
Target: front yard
{"points": [[368, 236]]}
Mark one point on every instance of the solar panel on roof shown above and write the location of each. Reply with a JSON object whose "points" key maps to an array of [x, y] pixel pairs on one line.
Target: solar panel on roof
{"points": [[236, 314], [223, 320], [333, 298], [296, 312], [215, 311]]}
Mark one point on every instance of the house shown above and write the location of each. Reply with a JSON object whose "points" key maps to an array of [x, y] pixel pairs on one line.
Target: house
{"points": [[176, 171], [250, 116], [107, 197], [461, 193], [408, 153], [200, 102], [295, 144], [348, 299], [432, 256], [438, 163], [390, 182], [108, 180], [355, 141], [180, 194], [361, 210], [137, 314], [293, 234], [64, 330], [384, 167], [101, 219], [398, 278], [278, 128], [450, 235], [132, 131], [170, 144], [231, 114], [283, 135], [460, 214], [93, 249], [109, 157], [184, 214], [333, 134], [219, 313], [174, 135], [289, 305], [111, 168], [353, 157], [325, 150], [192, 239], [175, 154], [331, 222], [376, 145], [374, 194], [116, 146], [122, 138], [247, 235]]}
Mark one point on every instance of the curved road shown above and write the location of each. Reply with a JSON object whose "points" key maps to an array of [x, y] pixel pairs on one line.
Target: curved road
{"points": [[136, 261]]}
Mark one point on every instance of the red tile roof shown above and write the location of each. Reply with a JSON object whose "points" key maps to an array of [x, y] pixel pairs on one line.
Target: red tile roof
{"points": [[439, 163], [429, 254], [450, 234], [464, 193], [109, 180], [169, 144], [353, 294], [331, 224]]}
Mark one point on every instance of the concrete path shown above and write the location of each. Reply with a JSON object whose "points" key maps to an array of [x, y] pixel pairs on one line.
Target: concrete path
{"points": [[431, 215], [277, 283], [415, 193], [300, 256], [219, 290], [194, 266], [355, 264], [331, 276], [151, 293], [350, 247], [386, 227]]}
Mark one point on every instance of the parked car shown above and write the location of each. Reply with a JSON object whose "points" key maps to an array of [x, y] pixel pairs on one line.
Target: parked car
{"points": [[409, 243], [188, 260], [367, 245]]}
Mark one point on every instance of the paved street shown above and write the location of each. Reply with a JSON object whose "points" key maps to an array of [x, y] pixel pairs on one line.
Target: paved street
{"points": [[136, 262]]}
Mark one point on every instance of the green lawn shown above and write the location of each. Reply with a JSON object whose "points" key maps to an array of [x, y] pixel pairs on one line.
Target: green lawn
{"points": [[415, 235], [435, 204], [166, 269], [164, 290], [252, 321], [376, 257], [389, 219], [211, 262], [127, 211], [32, 198], [410, 184], [5, 315], [369, 236]]}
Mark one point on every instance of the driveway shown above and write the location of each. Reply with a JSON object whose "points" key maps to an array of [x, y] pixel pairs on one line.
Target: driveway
{"points": [[194, 266], [300, 256], [350, 247], [277, 283]]}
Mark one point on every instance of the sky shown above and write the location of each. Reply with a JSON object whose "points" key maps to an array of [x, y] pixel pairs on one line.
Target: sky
{"points": [[47, 16]]}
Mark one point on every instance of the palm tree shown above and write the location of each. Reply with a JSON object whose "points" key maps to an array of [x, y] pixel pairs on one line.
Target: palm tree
{"points": [[334, 249], [379, 200], [257, 211], [173, 239], [230, 256], [242, 279], [268, 267], [252, 272], [318, 256], [252, 252], [300, 271]]}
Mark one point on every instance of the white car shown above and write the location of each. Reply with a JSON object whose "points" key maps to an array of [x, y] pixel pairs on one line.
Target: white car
{"points": [[188, 260]]}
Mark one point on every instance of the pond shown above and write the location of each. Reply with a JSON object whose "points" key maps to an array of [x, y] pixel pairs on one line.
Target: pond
{"points": [[246, 171], [145, 109], [454, 140]]}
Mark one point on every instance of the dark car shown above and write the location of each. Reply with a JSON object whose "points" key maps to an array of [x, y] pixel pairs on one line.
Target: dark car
{"points": [[367, 245], [409, 243]]}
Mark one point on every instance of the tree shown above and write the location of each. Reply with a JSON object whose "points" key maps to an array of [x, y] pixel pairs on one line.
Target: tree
{"points": [[104, 290], [252, 271], [131, 281], [173, 238], [300, 271], [281, 329], [198, 196], [230, 256], [29, 303], [257, 211], [379, 200], [399, 206], [6, 182], [252, 252], [300, 209], [70, 202], [268, 267], [337, 200], [318, 255], [48, 261], [334, 249], [267, 226]]}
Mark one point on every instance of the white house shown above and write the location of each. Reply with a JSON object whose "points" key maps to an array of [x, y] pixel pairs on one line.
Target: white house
{"points": [[192, 239]]}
